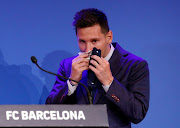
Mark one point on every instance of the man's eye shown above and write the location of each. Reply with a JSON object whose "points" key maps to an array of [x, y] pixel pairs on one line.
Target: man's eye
{"points": [[82, 41], [94, 41]]}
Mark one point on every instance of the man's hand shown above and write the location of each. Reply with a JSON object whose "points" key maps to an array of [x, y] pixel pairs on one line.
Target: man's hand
{"points": [[101, 69], [79, 64]]}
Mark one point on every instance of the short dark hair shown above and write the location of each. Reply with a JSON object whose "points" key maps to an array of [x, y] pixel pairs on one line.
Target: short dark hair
{"points": [[89, 17]]}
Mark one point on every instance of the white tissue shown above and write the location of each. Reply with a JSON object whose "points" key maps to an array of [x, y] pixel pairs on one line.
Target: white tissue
{"points": [[89, 54]]}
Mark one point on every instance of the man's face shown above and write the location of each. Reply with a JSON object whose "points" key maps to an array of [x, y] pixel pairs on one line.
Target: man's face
{"points": [[91, 37]]}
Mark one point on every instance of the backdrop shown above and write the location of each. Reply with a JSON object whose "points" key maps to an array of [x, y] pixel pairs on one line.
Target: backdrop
{"points": [[43, 28]]}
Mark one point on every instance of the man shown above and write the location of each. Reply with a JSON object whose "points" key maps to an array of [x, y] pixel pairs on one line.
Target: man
{"points": [[123, 77]]}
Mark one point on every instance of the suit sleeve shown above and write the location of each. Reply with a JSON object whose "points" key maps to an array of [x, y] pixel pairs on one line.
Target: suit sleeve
{"points": [[59, 92], [132, 97]]}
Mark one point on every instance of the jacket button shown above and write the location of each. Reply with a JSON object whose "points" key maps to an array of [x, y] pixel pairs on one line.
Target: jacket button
{"points": [[117, 100], [113, 96]]}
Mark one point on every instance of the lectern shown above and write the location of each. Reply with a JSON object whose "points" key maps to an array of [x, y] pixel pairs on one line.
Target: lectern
{"points": [[66, 116]]}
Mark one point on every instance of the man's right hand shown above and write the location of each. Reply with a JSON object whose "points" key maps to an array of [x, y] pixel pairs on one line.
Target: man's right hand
{"points": [[79, 64]]}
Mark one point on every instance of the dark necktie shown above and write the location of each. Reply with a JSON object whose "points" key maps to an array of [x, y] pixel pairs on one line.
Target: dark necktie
{"points": [[92, 82]]}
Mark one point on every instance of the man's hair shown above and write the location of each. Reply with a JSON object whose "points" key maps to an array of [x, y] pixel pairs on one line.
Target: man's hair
{"points": [[90, 17]]}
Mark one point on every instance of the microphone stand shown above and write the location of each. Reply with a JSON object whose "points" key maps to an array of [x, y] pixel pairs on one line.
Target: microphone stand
{"points": [[34, 60]]}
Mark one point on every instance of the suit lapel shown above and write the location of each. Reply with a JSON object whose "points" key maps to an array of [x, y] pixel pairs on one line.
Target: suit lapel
{"points": [[118, 59]]}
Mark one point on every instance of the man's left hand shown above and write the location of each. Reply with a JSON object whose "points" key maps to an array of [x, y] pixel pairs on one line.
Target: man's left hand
{"points": [[101, 69]]}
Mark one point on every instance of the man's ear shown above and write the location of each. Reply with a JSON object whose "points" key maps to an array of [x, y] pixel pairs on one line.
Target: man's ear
{"points": [[109, 36]]}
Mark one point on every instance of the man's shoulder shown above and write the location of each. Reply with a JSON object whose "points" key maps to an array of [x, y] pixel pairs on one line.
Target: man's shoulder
{"points": [[134, 57], [66, 63], [128, 56], [136, 61]]}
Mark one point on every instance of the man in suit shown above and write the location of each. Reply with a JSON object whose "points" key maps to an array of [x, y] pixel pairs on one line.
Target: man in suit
{"points": [[123, 78]]}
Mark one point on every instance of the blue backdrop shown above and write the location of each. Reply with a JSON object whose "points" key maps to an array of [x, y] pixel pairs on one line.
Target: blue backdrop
{"points": [[43, 28]]}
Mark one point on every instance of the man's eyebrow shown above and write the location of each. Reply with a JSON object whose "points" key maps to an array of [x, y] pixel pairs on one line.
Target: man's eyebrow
{"points": [[95, 39], [90, 39], [81, 39]]}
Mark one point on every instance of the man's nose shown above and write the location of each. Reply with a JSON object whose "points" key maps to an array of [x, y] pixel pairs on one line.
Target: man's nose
{"points": [[89, 47]]}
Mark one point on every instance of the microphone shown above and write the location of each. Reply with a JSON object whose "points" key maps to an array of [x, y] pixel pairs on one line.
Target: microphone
{"points": [[34, 60]]}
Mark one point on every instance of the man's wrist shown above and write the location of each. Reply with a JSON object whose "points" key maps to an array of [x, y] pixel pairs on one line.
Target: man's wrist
{"points": [[73, 83], [109, 82]]}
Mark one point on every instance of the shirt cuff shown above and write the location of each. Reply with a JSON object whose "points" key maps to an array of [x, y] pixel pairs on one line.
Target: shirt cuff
{"points": [[71, 88], [106, 88]]}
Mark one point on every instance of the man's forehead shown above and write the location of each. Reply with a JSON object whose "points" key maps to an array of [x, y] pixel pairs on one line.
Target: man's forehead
{"points": [[89, 33]]}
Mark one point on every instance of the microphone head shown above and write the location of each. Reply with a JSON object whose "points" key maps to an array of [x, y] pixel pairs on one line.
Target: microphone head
{"points": [[33, 59]]}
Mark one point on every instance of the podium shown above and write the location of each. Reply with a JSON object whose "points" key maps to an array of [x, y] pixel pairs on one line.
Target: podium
{"points": [[66, 116]]}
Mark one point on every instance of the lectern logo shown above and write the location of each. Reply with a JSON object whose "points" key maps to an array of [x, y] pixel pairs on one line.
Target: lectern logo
{"points": [[45, 115]]}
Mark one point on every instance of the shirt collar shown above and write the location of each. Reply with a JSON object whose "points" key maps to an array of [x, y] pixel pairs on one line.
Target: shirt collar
{"points": [[110, 53]]}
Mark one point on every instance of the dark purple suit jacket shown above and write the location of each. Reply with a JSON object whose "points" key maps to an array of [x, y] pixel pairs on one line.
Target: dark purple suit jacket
{"points": [[127, 99]]}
